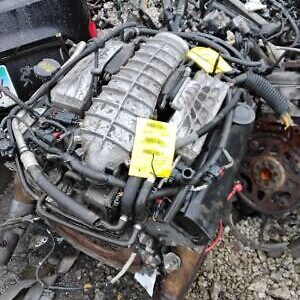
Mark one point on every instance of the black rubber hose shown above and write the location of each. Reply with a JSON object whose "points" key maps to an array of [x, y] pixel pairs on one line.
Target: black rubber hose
{"points": [[14, 98], [93, 46], [201, 39], [61, 198], [164, 192], [180, 143], [113, 227], [176, 204], [218, 152], [251, 243], [141, 205], [91, 173], [78, 167], [130, 193], [261, 87], [118, 242]]}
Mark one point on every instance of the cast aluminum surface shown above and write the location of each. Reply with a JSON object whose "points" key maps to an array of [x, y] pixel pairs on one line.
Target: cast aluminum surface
{"points": [[109, 125], [196, 104], [73, 91]]}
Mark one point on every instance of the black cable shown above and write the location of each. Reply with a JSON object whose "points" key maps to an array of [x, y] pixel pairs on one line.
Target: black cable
{"points": [[248, 242], [53, 123], [218, 152], [76, 165], [43, 261], [207, 42], [291, 20], [93, 46], [13, 97]]}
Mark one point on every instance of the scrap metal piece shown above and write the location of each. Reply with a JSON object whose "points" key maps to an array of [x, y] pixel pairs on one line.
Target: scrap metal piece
{"points": [[20, 206], [271, 169], [115, 258], [16, 289], [175, 285]]}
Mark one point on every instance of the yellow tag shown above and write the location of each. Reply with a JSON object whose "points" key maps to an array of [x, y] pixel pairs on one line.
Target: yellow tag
{"points": [[153, 149], [206, 58]]}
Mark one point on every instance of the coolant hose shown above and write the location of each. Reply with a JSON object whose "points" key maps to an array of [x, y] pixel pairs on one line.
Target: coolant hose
{"points": [[118, 242], [77, 166], [218, 151], [114, 227], [176, 204], [61, 198], [261, 87], [130, 193], [32, 167], [141, 209]]}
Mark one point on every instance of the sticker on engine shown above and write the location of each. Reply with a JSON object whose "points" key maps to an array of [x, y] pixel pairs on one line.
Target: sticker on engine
{"points": [[153, 149], [5, 80]]}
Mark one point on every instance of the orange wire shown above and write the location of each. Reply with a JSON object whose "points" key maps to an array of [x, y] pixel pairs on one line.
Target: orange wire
{"points": [[217, 240]]}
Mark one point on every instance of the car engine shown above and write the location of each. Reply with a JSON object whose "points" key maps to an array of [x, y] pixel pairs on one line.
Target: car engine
{"points": [[184, 104]]}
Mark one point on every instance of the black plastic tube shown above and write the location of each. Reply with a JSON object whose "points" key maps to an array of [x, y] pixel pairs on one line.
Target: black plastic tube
{"points": [[113, 227], [78, 167], [118, 242], [164, 192], [130, 193], [13, 97], [261, 87], [61, 198], [176, 204], [201, 39], [212, 124], [218, 151], [93, 46], [141, 207]]}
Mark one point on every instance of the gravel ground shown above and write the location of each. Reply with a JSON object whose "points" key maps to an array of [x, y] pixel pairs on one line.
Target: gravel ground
{"points": [[231, 271]]}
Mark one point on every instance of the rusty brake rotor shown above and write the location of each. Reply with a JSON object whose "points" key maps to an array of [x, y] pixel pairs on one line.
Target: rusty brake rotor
{"points": [[271, 169]]}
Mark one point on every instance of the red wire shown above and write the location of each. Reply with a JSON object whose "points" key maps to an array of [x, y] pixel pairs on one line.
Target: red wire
{"points": [[217, 240]]}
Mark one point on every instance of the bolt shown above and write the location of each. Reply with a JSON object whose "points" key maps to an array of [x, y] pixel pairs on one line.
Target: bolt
{"points": [[3, 243]]}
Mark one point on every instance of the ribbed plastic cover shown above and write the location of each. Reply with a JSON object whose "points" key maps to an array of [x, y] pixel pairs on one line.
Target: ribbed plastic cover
{"points": [[108, 128]]}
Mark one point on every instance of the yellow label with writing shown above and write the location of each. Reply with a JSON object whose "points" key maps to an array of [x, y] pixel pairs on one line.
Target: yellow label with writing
{"points": [[153, 149], [209, 60]]}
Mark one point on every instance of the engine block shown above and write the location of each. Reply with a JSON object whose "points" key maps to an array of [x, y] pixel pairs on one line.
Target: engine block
{"points": [[108, 128]]}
